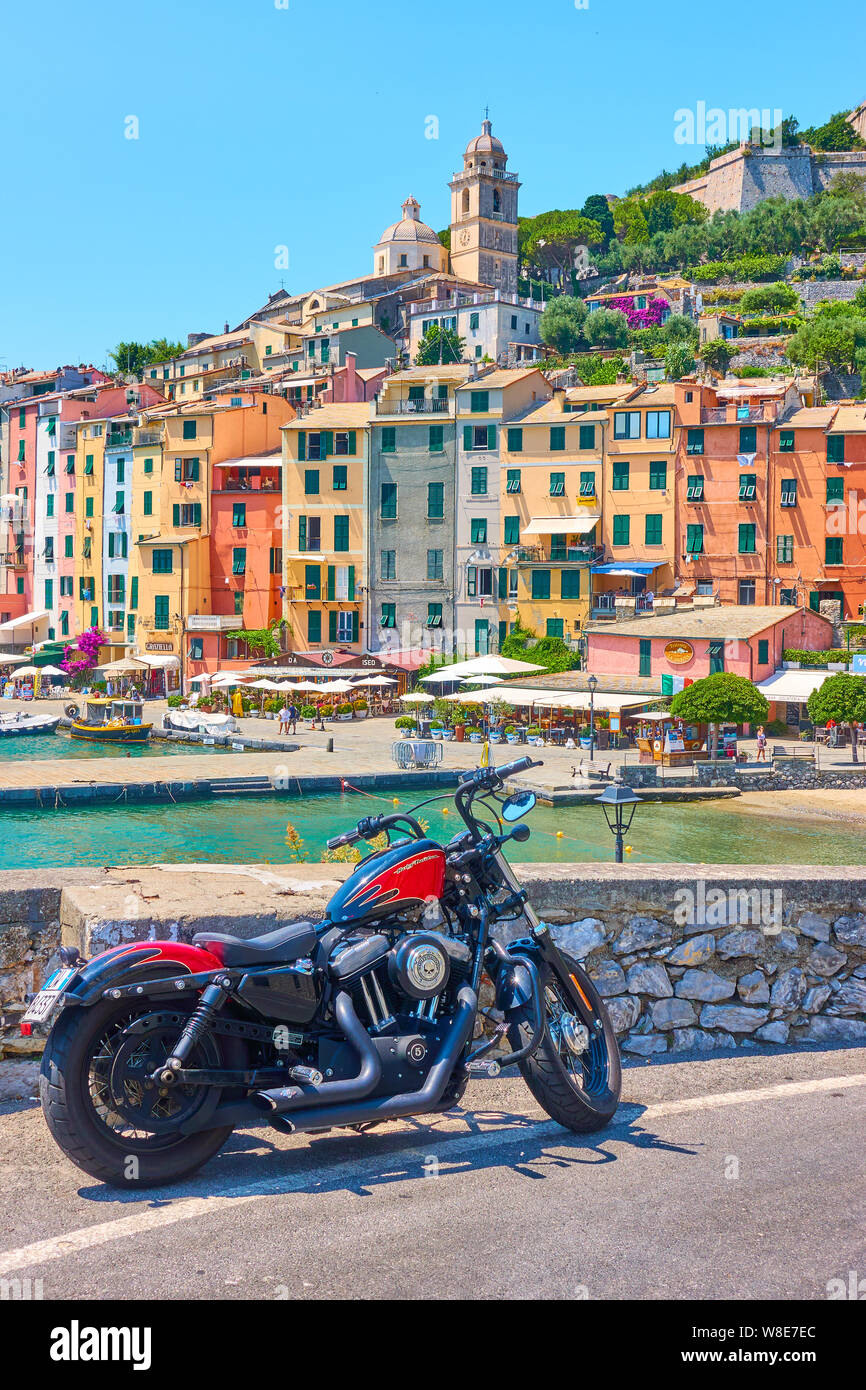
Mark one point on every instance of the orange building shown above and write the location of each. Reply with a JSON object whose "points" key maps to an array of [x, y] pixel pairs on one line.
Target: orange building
{"points": [[724, 487]]}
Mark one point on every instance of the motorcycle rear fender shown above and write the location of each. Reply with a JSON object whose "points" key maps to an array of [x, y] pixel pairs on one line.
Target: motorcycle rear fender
{"points": [[142, 960]]}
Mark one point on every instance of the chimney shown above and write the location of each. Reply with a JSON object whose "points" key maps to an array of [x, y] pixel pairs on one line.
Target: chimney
{"points": [[351, 388], [226, 329], [559, 397]]}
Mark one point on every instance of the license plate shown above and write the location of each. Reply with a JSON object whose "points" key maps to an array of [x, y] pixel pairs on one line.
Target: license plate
{"points": [[46, 1001]]}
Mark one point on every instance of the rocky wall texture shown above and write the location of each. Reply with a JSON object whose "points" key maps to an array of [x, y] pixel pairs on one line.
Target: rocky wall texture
{"points": [[687, 957]]}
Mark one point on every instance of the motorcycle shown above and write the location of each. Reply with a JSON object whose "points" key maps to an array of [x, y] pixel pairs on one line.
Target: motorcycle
{"points": [[158, 1050]]}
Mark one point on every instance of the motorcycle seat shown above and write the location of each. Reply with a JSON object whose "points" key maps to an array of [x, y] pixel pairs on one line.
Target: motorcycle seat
{"points": [[274, 947]]}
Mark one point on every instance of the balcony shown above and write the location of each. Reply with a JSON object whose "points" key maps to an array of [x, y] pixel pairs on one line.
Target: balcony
{"points": [[118, 439], [466, 175], [240, 479], [14, 559], [145, 436], [559, 554], [214, 622], [735, 414], [429, 405]]}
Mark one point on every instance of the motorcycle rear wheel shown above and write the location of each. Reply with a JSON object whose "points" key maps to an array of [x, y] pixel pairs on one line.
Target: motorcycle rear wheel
{"points": [[93, 1119], [581, 1092]]}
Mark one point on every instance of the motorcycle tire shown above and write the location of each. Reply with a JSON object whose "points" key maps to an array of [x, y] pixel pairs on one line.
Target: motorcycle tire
{"points": [[74, 1092], [579, 1092]]}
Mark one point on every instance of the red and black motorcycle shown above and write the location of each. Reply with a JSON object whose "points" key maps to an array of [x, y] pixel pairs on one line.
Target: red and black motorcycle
{"points": [[158, 1050]]}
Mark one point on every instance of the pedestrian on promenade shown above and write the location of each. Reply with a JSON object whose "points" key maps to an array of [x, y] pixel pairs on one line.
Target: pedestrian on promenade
{"points": [[292, 718], [284, 720], [762, 744]]}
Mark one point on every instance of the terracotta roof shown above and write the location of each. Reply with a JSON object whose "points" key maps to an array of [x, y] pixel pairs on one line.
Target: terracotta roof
{"points": [[599, 393], [730, 622], [506, 376], [850, 419], [336, 416], [816, 417]]}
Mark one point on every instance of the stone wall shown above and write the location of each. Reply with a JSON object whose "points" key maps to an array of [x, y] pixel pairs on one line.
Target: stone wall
{"points": [[783, 774], [687, 957], [742, 178]]}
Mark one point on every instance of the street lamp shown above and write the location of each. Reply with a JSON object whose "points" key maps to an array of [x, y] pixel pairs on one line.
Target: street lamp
{"points": [[618, 802], [593, 686]]}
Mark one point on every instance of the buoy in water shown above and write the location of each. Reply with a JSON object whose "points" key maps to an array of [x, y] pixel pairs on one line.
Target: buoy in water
{"points": [[559, 834], [628, 849]]}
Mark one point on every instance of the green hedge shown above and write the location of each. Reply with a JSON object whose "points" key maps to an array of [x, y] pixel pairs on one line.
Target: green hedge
{"points": [[816, 658], [744, 268]]}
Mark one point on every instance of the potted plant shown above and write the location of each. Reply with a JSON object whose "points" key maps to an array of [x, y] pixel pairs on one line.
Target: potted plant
{"points": [[344, 711], [533, 734], [272, 707], [446, 734], [404, 721], [475, 734], [326, 711], [361, 708], [512, 733], [308, 713]]}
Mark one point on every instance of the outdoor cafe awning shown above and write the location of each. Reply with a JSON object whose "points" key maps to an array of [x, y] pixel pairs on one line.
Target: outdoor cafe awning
{"points": [[793, 687], [607, 701], [560, 525], [26, 620]]}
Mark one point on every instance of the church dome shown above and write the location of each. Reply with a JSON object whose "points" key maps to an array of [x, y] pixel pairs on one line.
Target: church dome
{"points": [[410, 228], [485, 143]]}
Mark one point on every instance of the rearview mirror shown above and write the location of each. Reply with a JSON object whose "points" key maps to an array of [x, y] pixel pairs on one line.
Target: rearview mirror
{"points": [[518, 805]]}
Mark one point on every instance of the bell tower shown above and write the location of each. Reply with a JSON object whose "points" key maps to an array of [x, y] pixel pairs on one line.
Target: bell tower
{"points": [[484, 215]]}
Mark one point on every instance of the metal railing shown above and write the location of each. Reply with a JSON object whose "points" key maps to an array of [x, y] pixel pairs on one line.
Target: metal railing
{"points": [[430, 405], [506, 175], [558, 555], [734, 414]]}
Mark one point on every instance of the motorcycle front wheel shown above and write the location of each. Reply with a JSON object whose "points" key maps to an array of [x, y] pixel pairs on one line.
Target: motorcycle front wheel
{"points": [[579, 1090]]}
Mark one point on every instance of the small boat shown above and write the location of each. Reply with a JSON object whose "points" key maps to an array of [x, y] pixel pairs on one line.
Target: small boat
{"points": [[21, 723], [109, 721]]}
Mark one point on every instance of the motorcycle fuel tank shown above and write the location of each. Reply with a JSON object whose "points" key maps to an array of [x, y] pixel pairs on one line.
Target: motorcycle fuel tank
{"points": [[390, 881]]}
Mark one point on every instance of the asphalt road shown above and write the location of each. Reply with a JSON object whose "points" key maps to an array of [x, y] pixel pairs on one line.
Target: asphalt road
{"points": [[733, 1177]]}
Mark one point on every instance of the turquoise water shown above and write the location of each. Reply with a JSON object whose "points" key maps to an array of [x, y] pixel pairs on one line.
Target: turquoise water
{"points": [[253, 830], [41, 747]]}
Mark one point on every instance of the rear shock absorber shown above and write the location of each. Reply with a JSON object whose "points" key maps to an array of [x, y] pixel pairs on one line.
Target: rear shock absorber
{"points": [[211, 1000]]}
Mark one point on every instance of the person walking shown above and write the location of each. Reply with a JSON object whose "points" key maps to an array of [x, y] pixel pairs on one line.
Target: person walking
{"points": [[284, 719], [292, 718], [762, 744]]}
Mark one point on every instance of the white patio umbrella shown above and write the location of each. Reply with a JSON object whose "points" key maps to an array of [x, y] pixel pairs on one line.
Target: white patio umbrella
{"points": [[481, 680], [376, 680], [201, 678], [229, 678], [52, 671], [26, 671], [268, 685], [123, 666], [417, 697], [482, 666], [303, 685], [338, 687]]}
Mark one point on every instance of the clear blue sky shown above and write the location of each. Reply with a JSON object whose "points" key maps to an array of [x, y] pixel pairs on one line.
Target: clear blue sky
{"points": [[262, 126]]}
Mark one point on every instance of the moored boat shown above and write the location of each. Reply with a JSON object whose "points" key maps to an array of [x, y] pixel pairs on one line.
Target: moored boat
{"points": [[109, 721], [21, 723]]}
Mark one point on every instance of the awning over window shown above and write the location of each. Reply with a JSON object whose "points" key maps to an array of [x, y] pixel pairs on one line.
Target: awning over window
{"points": [[559, 525], [632, 567], [26, 620]]}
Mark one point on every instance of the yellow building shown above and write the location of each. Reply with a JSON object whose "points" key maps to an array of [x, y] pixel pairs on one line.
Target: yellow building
{"points": [[324, 527], [638, 500], [550, 507]]}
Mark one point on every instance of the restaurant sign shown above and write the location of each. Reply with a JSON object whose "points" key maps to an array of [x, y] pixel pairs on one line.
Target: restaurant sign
{"points": [[158, 647], [678, 653]]}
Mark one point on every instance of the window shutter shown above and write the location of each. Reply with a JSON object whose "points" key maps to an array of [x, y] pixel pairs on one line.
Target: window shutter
{"points": [[196, 513], [133, 591], [178, 470], [302, 533], [351, 441], [328, 440], [352, 586], [175, 514], [491, 436], [355, 626], [332, 584], [467, 437], [332, 625], [302, 444]]}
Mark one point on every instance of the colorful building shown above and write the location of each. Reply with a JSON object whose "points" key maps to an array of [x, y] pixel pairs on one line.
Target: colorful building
{"points": [[550, 489]]}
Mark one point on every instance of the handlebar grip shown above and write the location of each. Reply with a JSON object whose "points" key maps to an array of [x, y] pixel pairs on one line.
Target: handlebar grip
{"points": [[349, 838], [519, 765]]}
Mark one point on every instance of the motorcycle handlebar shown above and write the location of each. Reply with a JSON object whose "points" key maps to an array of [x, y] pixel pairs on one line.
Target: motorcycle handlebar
{"points": [[491, 776]]}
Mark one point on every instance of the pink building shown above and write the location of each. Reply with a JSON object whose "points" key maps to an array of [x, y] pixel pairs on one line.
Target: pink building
{"points": [[692, 642]]}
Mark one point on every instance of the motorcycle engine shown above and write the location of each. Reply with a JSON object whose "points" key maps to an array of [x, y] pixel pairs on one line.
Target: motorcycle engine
{"points": [[400, 993]]}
